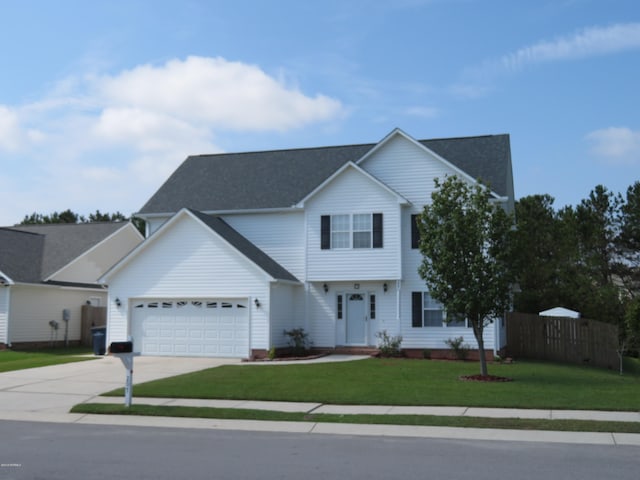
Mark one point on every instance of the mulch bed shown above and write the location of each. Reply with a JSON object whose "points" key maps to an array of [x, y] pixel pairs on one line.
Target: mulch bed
{"points": [[484, 378]]}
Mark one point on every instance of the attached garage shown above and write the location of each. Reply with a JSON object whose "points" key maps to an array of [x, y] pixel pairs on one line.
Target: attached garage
{"points": [[197, 288], [204, 327]]}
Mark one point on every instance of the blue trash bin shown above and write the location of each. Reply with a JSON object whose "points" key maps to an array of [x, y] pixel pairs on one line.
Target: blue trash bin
{"points": [[99, 337]]}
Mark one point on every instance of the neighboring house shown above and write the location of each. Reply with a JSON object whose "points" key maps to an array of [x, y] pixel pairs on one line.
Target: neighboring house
{"points": [[242, 246], [47, 272]]}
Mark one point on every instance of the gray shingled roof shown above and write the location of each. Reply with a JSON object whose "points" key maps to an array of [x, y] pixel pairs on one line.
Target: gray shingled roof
{"points": [[34, 252], [21, 255], [245, 247], [281, 178]]}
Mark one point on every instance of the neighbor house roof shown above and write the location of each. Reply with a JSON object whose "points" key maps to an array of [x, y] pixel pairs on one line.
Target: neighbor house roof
{"points": [[32, 253], [21, 255], [279, 179]]}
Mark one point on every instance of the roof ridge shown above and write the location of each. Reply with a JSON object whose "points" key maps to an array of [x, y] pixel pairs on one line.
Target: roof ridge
{"points": [[17, 230], [327, 147], [299, 149]]}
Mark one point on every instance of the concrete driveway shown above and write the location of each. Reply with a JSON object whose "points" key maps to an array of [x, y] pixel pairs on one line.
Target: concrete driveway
{"points": [[47, 392]]}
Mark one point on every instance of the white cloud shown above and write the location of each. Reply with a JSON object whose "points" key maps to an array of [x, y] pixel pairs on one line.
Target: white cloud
{"points": [[616, 145], [230, 95], [110, 140], [477, 81], [585, 43], [10, 131]]}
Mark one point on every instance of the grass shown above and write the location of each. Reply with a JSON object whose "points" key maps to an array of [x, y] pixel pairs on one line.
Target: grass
{"points": [[19, 360], [410, 382], [420, 420]]}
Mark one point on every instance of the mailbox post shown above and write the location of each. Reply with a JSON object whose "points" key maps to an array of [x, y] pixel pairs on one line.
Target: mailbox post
{"points": [[124, 351]]}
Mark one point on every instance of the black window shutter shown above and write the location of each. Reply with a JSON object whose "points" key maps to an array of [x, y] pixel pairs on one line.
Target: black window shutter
{"points": [[416, 309], [325, 232], [377, 230], [415, 233]]}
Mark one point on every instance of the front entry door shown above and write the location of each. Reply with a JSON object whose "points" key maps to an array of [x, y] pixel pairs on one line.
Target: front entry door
{"points": [[356, 319]]}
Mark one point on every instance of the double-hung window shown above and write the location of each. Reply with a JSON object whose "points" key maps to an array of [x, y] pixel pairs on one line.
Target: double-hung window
{"points": [[359, 230], [426, 312], [340, 231]]}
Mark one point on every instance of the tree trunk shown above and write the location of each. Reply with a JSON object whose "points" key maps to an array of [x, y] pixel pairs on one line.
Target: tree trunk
{"points": [[483, 359], [477, 332]]}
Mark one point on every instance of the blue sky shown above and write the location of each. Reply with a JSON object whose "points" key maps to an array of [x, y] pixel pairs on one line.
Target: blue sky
{"points": [[101, 101]]}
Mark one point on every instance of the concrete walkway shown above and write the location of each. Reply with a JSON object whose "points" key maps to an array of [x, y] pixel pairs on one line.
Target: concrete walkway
{"points": [[46, 394]]}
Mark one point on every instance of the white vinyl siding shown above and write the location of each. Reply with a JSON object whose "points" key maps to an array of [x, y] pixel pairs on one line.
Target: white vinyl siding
{"points": [[187, 260], [4, 313], [155, 223], [407, 169], [287, 312], [33, 307], [279, 235], [352, 193]]}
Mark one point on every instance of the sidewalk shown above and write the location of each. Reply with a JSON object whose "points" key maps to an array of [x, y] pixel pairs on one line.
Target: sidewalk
{"points": [[451, 433], [304, 407], [46, 394]]}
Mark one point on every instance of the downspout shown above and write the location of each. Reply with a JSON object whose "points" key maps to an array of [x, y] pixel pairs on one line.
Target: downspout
{"points": [[496, 334], [398, 312], [8, 290]]}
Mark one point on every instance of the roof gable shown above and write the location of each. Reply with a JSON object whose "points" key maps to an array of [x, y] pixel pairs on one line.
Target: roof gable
{"points": [[281, 179], [352, 166], [222, 230], [466, 153]]}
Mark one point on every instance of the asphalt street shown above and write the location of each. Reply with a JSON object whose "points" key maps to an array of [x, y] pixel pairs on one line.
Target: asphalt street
{"points": [[48, 451]]}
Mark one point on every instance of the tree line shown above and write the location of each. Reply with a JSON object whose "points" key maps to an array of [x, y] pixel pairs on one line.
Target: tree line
{"points": [[586, 258], [69, 216]]}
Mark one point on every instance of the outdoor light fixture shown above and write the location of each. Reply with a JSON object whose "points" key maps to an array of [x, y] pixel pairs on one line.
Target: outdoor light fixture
{"points": [[118, 302], [385, 287], [325, 287], [257, 302]]}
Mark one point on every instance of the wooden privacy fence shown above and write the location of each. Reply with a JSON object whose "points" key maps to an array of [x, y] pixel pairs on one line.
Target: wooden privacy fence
{"points": [[91, 317], [570, 340]]}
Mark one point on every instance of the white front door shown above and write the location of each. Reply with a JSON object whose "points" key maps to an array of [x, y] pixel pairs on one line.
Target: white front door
{"points": [[356, 319]]}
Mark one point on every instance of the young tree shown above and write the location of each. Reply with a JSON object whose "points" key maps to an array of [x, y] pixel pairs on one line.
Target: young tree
{"points": [[465, 242]]}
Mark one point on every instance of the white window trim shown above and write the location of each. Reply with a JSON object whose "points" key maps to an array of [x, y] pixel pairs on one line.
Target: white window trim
{"points": [[351, 230]]}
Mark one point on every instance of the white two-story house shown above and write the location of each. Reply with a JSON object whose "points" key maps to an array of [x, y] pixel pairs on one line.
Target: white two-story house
{"points": [[241, 247]]}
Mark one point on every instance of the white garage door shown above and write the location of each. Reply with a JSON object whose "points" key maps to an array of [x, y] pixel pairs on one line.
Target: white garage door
{"points": [[196, 327]]}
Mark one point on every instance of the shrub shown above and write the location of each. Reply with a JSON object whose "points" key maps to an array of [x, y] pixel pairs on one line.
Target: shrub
{"points": [[389, 346], [298, 341], [460, 351]]}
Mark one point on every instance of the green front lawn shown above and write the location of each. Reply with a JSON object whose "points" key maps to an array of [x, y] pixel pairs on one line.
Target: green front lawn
{"points": [[410, 382], [19, 360]]}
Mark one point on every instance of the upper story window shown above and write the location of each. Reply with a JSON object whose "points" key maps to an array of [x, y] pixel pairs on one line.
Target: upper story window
{"points": [[360, 230]]}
